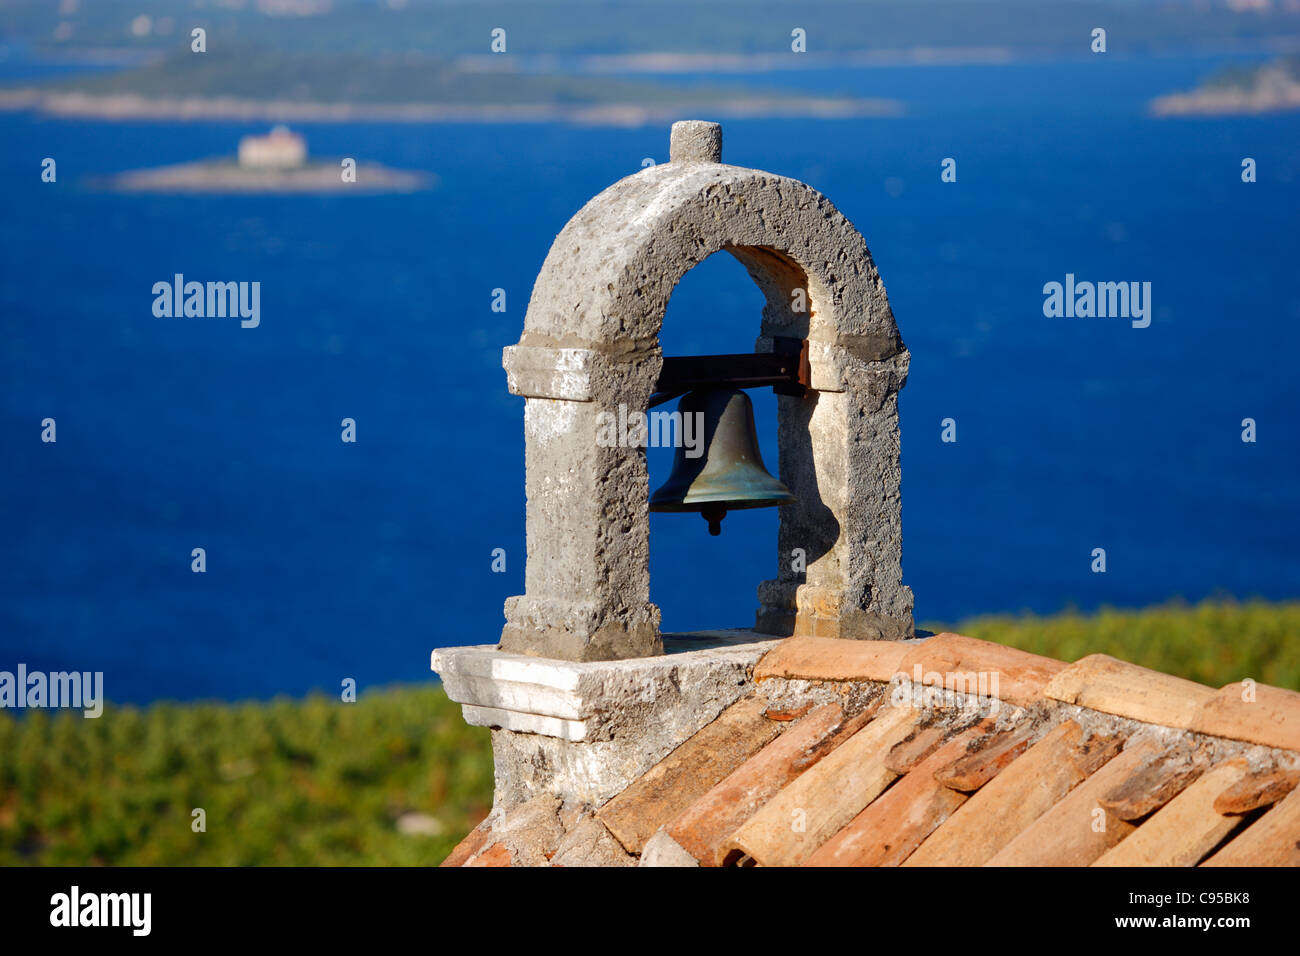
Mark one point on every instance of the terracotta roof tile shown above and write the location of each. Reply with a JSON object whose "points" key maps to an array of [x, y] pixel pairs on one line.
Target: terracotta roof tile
{"points": [[1078, 829], [1015, 798], [467, 847], [1260, 788], [1100, 682], [1271, 718], [918, 745], [1156, 783], [787, 713], [1186, 828], [702, 828], [684, 775], [1017, 677], [818, 803], [892, 827], [990, 756], [495, 855], [832, 659], [1273, 840]]}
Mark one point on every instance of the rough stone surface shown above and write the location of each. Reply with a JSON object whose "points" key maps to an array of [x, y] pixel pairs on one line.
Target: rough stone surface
{"points": [[591, 344], [588, 843], [663, 850], [695, 141], [532, 833]]}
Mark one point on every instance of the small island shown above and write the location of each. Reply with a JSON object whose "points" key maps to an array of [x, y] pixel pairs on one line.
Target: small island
{"points": [[274, 163], [1271, 88]]}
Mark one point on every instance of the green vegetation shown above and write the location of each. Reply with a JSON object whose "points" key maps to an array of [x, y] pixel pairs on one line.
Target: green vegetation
{"points": [[285, 782], [318, 781]]}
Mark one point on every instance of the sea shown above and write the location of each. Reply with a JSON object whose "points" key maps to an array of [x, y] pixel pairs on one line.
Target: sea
{"points": [[328, 560]]}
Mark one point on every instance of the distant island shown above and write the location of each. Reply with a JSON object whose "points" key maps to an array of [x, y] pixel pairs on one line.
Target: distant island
{"points": [[256, 85], [1271, 88], [276, 162]]}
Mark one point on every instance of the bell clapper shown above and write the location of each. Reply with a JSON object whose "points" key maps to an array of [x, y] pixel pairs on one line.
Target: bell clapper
{"points": [[713, 514]]}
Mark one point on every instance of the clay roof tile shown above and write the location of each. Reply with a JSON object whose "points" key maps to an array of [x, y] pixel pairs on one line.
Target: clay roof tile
{"points": [[1254, 712], [967, 663], [1077, 829], [703, 827], [1015, 798], [832, 659], [890, 828], [677, 781], [1185, 829], [819, 802], [467, 847], [1100, 682], [1273, 840]]}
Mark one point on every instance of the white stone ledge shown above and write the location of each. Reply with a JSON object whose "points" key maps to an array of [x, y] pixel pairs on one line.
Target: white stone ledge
{"points": [[572, 730], [598, 700]]}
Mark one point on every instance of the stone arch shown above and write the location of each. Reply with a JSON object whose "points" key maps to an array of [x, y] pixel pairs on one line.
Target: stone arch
{"points": [[590, 344]]}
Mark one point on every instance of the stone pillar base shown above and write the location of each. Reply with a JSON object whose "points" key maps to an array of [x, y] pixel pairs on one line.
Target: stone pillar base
{"points": [[806, 610], [583, 634]]}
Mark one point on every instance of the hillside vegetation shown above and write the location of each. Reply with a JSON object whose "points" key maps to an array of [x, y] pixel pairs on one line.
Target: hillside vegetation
{"points": [[286, 782]]}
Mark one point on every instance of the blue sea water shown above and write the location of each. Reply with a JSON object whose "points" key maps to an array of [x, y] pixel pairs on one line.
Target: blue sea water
{"points": [[328, 560]]}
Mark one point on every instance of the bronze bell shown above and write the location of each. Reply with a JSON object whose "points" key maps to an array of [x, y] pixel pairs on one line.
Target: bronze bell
{"points": [[729, 474]]}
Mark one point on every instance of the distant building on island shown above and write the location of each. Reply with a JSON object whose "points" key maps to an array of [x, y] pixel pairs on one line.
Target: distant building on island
{"points": [[273, 163], [279, 149]]}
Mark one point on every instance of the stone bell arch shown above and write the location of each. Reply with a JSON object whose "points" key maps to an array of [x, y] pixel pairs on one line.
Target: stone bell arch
{"points": [[591, 343]]}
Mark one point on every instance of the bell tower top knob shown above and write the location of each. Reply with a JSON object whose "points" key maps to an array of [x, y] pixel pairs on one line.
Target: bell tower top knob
{"points": [[695, 141]]}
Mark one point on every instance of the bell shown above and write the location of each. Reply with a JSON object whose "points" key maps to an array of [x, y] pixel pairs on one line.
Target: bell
{"points": [[729, 475]]}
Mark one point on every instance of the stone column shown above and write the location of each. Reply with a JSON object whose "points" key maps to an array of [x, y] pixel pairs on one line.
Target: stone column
{"points": [[839, 547], [587, 578]]}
